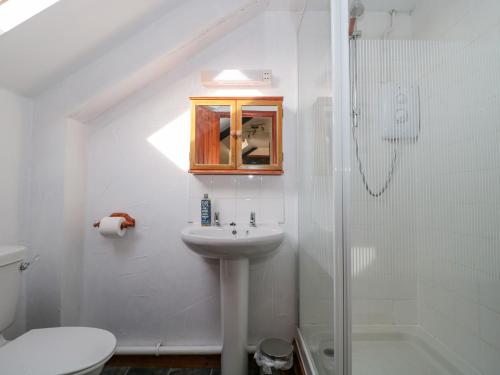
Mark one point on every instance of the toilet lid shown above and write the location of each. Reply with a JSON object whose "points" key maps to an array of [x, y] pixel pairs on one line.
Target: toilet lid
{"points": [[56, 351]]}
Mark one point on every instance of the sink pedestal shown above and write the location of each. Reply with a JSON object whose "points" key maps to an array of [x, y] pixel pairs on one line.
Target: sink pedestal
{"points": [[234, 246], [234, 279]]}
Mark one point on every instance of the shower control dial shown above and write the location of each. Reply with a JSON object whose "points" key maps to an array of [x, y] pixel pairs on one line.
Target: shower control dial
{"points": [[401, 116], [401, 111]]}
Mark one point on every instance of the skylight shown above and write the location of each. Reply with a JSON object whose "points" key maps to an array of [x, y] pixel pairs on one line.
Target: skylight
{"points": [[15, 12]]}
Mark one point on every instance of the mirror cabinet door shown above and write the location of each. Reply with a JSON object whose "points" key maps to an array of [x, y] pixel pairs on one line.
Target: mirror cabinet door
{"points": [[213, 140], [259, 131]]}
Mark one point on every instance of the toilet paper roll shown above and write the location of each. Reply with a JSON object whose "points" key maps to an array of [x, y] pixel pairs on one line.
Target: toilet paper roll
{"points": [[112, 227]]}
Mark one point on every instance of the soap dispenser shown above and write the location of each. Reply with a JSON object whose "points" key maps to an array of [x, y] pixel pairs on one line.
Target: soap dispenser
{"points": [[206, 211]]}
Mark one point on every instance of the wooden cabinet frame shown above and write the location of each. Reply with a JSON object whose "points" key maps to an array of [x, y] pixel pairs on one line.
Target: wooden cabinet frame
{"points": [[236, 165], [192, 156]]}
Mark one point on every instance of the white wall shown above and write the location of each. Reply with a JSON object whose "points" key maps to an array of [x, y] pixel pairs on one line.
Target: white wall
{"points": [[15, 127], [458, 179], [377, 24], [83, 96], [75, 172], [15, 135], [384, 287], [439, 221], [148, 286], [316, 214]]}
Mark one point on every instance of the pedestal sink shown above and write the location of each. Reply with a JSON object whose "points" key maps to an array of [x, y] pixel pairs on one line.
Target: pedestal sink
{"points": [[234, 246]]}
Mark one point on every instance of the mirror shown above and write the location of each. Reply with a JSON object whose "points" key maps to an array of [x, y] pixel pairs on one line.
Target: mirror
{"points": [[213, 134], [258, 135], [236, 135]]}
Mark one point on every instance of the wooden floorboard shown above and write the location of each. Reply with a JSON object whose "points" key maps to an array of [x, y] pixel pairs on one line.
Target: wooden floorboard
{"points": [[186, 361], [298, 366], [165, 361]]}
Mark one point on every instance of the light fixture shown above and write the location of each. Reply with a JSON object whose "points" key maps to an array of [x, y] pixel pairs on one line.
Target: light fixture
{"points": [[236, 77]]}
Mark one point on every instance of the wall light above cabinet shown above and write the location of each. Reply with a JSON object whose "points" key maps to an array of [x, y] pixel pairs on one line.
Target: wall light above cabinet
{"points": [[235, 77]]}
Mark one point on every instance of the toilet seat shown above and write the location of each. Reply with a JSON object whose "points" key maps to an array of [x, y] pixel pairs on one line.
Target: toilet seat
{"points": [[56, 351]]}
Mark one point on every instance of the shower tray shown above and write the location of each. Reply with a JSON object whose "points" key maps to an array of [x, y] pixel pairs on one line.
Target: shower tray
{"points": [[389, 350]]}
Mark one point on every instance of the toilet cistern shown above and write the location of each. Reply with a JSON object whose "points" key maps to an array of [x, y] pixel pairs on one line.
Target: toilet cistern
{"points": [[48, 351]]}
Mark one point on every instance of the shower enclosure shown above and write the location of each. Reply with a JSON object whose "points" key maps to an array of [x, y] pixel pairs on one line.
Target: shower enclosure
{"points": [[399, 106]]}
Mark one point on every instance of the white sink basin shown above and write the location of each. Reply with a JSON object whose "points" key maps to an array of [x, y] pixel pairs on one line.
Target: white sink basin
{"points": [[234, 246], [228, 242]]}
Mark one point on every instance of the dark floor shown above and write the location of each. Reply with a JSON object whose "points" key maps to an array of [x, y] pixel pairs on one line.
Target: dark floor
{"points": [[167, 371], [158, 371]]}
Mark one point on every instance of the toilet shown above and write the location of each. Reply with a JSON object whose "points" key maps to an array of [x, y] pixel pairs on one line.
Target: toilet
{"points": [[48, 351]]}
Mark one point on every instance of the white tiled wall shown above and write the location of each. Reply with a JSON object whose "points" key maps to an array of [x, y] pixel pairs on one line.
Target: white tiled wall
{"points": [[458, 179], [316, 203], [234, 197], [383, 257], [442, 214], [375, 24]]}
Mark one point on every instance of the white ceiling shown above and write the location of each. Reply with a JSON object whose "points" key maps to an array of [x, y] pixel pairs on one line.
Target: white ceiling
{"points": [[292, 5], [298, 5], [371, 5], [386, 5], [66, 36]]}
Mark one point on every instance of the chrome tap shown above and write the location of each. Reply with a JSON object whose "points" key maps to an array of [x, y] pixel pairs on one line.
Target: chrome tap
{"points": [[216, 219], [252, 219]]}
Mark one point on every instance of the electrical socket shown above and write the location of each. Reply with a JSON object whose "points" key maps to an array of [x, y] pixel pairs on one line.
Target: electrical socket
{"points": [[267, 75]]}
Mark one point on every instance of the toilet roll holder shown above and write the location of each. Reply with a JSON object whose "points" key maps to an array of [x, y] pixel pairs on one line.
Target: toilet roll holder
{"points": [[128, 223]]}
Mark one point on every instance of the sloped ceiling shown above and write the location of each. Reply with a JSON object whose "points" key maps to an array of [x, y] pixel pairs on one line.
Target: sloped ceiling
{"points": [[66, 36], [184, 33], [387, 5], [71, 34]]}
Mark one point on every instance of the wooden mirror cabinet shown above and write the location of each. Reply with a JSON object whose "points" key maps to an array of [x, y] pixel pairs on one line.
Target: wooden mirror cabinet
{"points": [[236, 135]]}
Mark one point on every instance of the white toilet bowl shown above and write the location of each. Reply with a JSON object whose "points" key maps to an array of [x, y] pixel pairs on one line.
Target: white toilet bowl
{"points": [[48, 351], [58, 351]]}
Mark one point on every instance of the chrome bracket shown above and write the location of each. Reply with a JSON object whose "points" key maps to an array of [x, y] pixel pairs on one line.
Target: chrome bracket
{"points": [[25, 265]]}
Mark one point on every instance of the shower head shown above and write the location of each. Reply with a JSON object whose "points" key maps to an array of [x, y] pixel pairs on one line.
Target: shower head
{"points": [[357, 9]]}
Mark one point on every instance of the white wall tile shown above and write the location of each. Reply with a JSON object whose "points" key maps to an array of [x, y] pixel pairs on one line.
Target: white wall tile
{"points": [[489, 323], [489, 294], [372, 311], [226, 208], [272, 187], [441, 212], [467, 314], [456, 163], [248, 186], [244, 206], [224, 186], [271, 210], [485, 357], [405, 312]]}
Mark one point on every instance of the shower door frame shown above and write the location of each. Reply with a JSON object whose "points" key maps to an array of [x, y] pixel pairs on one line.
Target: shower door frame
{"points": [[342, 182]]}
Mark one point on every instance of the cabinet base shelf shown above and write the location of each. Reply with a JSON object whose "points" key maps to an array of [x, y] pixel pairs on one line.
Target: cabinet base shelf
{"points": [[236, 172]]}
